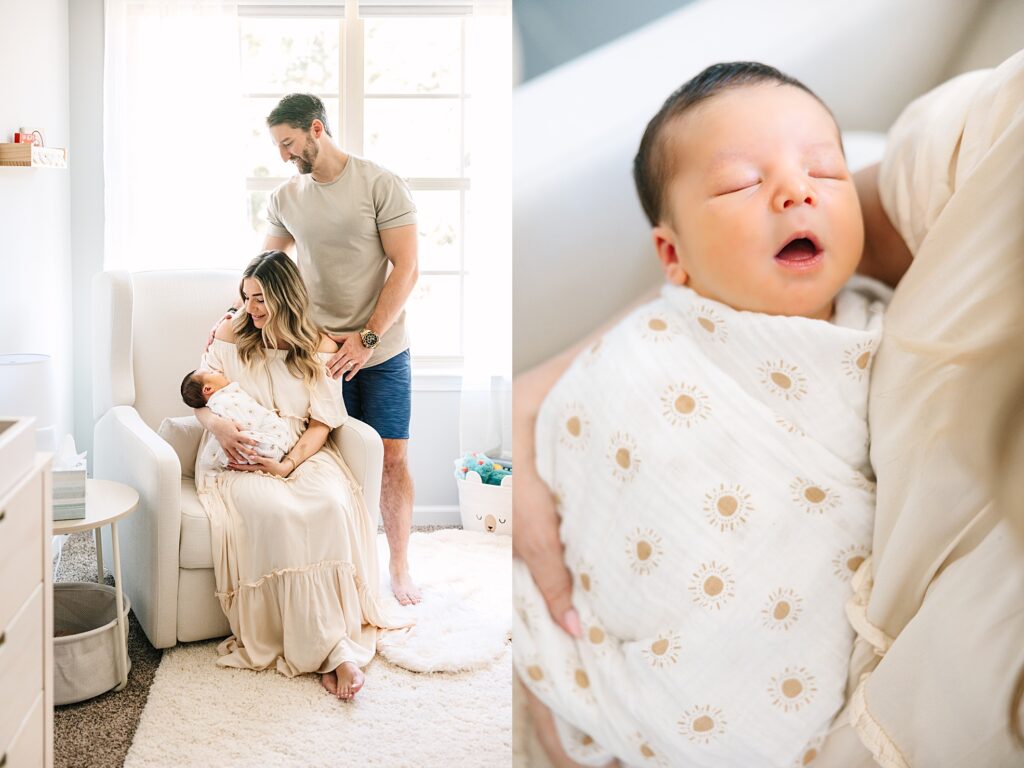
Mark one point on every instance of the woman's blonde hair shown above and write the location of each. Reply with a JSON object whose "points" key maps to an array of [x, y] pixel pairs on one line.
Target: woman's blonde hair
{"points": [[288, 322]]}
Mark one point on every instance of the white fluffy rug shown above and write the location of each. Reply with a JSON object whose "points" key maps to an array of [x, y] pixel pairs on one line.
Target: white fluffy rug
{"points": [[465, 618], [199, 714]]}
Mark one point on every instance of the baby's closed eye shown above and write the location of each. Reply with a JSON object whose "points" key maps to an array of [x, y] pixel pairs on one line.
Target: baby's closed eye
{"points": [[737, 186], [829, 172]]}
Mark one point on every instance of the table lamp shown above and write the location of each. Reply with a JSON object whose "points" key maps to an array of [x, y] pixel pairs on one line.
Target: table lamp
{"points": [[26, 389]]}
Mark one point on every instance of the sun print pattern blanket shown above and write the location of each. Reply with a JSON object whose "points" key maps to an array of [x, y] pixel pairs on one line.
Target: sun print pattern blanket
{"points": [[711, 471], [271, 431]]}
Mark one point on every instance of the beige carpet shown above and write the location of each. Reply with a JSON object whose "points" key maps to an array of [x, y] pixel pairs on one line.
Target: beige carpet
{"points": [[199, 714]]}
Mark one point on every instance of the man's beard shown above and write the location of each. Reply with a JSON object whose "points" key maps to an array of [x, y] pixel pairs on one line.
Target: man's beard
{"points": [[305, 161]]}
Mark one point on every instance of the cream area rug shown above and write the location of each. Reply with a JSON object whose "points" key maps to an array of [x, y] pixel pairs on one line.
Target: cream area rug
{"points": [[465, 618], [199, 714]]}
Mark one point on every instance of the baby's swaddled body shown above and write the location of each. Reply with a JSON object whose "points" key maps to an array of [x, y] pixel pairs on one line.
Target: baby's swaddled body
{"points": [[711, 472], [265, 426]]}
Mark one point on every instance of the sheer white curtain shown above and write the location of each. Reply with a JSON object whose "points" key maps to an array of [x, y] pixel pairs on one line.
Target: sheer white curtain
{"points": [[485, 423], [173, 174]]}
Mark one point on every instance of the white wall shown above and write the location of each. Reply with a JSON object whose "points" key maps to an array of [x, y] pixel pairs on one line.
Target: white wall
{"points": [[433, 447], [435, 427], [85, 32], [35, 243]]}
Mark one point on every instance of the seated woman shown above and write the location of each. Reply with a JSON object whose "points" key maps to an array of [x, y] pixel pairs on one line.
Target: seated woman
{"points": [[294, 547]]}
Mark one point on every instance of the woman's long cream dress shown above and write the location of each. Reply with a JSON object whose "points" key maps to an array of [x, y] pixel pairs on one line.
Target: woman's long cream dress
{"points": [[295, 558]]}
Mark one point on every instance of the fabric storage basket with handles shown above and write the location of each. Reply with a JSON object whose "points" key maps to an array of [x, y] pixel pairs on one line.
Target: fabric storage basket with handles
{"points": [[85, 640]]}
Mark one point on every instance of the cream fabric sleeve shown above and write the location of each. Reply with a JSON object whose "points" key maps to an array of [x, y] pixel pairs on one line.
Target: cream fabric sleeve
{"points": [[917, 176], [940, 607], [211, 359], [326, 403], [957, 200]]}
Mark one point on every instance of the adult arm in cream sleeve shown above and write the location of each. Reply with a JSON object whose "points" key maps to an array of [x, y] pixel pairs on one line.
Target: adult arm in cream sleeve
{"points": [[939, 607]]}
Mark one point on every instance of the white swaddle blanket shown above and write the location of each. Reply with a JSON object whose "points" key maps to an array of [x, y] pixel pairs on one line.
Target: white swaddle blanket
{"points": [[261, 424], [711, 472]]}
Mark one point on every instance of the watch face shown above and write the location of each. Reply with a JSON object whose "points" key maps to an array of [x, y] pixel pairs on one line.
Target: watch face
{"points": [[370, 339]]}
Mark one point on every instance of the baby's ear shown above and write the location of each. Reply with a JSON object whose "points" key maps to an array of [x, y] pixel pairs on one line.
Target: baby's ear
{"points": [[207, 390], [665, 245]]}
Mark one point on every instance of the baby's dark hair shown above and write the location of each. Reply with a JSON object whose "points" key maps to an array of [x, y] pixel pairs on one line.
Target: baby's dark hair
{"points": [[652, 169], [192, 391]]}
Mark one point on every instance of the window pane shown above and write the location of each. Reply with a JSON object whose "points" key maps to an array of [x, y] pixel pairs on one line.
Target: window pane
{"points": [[433, 310], [281, 55], [438, 215], [257, 210], [412, 55], [413, 137], [467, 142], [262, 158]]}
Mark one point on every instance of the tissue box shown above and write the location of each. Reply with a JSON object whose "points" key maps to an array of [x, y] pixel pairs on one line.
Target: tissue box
{"points": [[68, 494], [68, 482]]}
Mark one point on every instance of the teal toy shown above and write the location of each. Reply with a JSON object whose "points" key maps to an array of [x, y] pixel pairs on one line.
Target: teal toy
{"points": [[491, 472]]}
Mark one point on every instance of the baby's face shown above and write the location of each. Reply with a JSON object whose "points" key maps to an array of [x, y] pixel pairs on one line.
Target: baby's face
{"points": [[211, 381], [763, 211]]}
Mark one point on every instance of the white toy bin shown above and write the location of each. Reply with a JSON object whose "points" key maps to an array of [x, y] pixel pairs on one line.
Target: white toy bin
{"points": [[485, 507]]}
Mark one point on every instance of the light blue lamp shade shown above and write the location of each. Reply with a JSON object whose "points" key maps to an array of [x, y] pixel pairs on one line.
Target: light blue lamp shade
{"points": [[27, 389]]}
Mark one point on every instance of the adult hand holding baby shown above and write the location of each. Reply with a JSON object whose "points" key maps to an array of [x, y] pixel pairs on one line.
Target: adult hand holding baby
{"points": [[264, 464], [535, 540], [535, 537], [238, 447]]}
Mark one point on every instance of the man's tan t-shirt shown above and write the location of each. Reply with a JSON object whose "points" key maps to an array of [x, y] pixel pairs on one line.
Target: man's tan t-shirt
{"points": [[336, 229]]}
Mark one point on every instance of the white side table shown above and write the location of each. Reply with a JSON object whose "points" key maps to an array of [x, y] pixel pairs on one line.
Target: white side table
{"points": [[106, 502]]}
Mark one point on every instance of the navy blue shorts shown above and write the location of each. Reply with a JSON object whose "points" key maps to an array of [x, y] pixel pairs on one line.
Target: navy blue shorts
{"points": [[382, 396]]}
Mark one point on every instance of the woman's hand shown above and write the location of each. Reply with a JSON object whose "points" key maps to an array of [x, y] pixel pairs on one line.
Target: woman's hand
{"points": [[236, 444], [535, 537], [350, 358], [535, 540], [263, 464]]}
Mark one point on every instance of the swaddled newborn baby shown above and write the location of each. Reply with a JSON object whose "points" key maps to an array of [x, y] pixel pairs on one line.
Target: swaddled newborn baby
{"points": [[709, 455], [227, 399]]}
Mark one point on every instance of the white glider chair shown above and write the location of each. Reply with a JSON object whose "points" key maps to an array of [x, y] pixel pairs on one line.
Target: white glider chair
{"points": [[150, 328]]}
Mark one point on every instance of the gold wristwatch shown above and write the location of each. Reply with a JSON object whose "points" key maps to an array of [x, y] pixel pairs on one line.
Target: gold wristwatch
{"points": [[369, 338]]}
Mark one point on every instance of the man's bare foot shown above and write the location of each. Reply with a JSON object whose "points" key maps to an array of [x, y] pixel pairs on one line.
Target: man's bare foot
{"points": [[329, 680], [405, 590], [350, 680]]}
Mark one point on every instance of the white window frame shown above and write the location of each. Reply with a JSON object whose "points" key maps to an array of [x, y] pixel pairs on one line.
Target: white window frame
{"points": [[350, 17]]}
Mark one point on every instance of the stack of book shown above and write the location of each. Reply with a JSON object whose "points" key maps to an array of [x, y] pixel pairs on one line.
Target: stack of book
{"points": [[69, 493]]}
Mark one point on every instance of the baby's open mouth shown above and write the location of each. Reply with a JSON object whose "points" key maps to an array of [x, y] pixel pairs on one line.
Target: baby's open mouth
{"points": [[799, 249]]}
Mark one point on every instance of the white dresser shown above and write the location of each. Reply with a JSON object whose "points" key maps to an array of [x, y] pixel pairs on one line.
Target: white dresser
{"points": [[26, 619]]}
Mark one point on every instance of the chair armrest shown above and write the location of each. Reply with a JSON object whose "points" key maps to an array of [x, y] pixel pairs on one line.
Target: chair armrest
{"points": [[363, 452], [127, 450]]}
